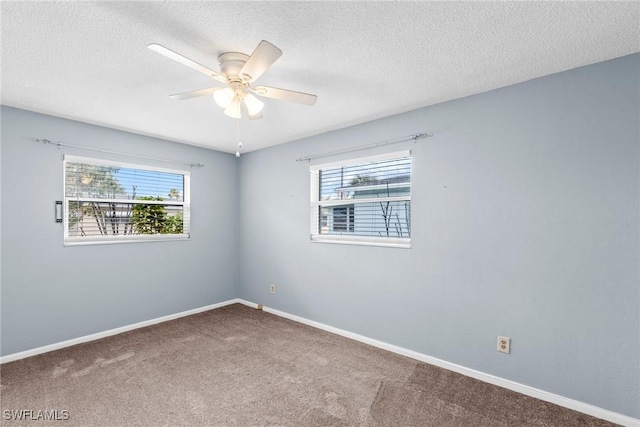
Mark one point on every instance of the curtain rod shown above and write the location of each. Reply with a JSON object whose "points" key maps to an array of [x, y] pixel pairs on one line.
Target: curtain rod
{"points": [[82, 147], [414, 137]]}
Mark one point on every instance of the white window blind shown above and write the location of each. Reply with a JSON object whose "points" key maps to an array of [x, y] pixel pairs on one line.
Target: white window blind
{"points": [[111, 202], [363, 201]]}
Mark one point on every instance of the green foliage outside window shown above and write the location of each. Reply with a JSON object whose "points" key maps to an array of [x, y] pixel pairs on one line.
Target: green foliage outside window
{"points": [[153, 219]]}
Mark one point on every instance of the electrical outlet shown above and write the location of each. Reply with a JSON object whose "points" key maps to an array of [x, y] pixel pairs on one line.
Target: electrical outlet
{"points": [[504, 344], [272, 289]]}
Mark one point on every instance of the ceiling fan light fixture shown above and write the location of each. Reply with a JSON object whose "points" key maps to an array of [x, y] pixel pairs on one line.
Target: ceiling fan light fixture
{"points": [[233, 110], [238, 71], [253, 104], [224, 97]]}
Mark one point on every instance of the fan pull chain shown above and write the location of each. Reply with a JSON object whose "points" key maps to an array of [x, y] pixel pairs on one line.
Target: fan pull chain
{"points": [[238, 138]]}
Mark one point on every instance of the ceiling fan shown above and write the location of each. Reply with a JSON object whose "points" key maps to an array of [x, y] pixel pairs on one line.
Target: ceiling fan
{"points": [[238, 71]]}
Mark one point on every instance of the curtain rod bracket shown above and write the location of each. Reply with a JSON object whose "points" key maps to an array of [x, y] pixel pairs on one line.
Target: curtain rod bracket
{"points": [[418, 136], [47, 142]]}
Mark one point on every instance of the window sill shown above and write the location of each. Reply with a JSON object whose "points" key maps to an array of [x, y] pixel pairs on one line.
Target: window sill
{"points": [[115, 240], [363, 241]]}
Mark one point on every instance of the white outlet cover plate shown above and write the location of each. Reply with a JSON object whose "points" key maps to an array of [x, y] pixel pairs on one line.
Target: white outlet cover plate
{"points": [[504, 344]]}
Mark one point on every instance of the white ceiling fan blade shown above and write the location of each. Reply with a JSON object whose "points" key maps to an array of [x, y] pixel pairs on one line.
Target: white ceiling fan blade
{"points": [[260, 60], [194, 93], [285, 95], [186, 61]]}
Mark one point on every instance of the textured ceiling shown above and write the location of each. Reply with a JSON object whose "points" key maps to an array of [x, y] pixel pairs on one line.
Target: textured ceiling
{"points": [[88, 61]]}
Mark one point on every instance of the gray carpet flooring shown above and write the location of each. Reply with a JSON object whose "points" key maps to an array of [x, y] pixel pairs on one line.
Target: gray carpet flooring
{"points": [[236, 366]]}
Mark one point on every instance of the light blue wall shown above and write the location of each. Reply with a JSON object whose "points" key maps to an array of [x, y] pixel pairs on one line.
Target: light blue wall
{"points": [[51, 293], [525, 223]]}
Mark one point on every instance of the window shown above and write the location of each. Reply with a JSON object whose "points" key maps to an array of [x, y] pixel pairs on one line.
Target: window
{"points": [[110, 202], [363, 201], [343, 218]]}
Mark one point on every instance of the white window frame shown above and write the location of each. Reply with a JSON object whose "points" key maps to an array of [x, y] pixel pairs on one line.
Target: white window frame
{"points": [[346, 239], [115, 239]]}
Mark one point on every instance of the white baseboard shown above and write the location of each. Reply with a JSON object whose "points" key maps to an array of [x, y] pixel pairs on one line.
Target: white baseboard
{"points": [[96, 336], [576, 405]]}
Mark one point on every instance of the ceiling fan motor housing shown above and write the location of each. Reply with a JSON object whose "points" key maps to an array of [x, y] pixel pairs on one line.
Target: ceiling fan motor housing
{"points": [[231, 64]]}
